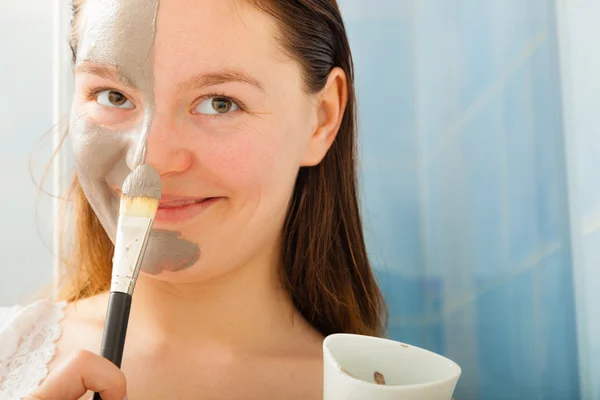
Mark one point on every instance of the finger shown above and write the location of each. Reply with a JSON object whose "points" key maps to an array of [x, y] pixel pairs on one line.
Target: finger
{"points": [[85, 371]]}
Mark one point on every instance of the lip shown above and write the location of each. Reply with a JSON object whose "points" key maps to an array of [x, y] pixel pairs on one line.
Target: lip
{"points": [[180, 209], [173, 208]]}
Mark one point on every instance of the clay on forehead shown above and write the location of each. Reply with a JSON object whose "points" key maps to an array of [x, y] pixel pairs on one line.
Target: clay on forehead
{"points": [[121, 33]]}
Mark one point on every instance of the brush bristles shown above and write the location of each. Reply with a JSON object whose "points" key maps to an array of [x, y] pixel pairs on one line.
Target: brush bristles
{"points": [[138, 206]]}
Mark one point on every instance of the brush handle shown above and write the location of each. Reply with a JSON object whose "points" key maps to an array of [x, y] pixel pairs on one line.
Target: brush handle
{"points": [[115, 329]]}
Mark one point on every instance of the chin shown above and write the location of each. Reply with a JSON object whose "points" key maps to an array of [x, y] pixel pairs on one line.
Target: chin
{"points": [[197, 273]]}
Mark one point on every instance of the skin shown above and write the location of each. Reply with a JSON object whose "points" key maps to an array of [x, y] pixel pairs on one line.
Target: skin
{"points": [[106, 153], [222, 327]]}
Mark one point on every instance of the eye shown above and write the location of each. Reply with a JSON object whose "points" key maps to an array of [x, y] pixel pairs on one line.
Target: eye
{"points": [[114, 99], [216, 105]]}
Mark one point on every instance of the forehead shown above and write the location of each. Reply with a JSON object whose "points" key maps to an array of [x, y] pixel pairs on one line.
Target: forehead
{"points": [[108, 35], [175, 35], [208, 34]]}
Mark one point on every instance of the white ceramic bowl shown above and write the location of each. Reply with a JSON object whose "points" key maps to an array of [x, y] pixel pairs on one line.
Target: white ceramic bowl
{"points": [[410, 373]]}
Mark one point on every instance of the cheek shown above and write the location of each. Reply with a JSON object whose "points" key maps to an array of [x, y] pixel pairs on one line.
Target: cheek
{"points": [[96, 150], [254, 158]]}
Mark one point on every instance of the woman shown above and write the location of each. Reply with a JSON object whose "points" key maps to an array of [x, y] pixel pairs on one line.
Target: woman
{"points": [[246, 109]]}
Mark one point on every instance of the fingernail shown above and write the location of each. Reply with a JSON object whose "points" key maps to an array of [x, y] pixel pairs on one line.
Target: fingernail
{"points": [[125, 398]]}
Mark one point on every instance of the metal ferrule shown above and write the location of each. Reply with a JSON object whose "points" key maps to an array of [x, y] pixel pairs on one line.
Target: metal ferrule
{"points": [[130, 246]]}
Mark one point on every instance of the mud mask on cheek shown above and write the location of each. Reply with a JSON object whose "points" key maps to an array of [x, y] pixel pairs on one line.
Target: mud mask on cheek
{"points": [[119, 34]]}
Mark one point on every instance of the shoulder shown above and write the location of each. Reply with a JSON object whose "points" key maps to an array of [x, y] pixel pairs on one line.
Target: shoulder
{"points": [[81, 328], [299, 373], [28, 335], [18, 323]]}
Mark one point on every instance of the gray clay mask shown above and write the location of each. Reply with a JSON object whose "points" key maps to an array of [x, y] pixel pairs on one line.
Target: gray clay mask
{"points": [[119, 34]]}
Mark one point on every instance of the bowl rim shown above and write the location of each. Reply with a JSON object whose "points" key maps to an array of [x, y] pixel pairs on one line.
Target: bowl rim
{"points": [[454, 367]]}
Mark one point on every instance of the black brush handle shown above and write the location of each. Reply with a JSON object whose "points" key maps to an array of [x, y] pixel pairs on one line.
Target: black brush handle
{"points": [[115, 329]]}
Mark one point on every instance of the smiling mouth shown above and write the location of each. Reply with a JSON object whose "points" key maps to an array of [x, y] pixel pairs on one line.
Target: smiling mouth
{"points": [[177, 209], [180, 203], [181, 210]]}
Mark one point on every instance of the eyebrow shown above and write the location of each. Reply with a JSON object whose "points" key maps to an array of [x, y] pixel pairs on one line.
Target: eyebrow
{"points": [[107, 71], [118, 74], [217, 78]]}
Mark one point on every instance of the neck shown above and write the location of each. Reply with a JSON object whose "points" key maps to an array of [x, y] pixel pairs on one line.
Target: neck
{"points": [[246, 309]]}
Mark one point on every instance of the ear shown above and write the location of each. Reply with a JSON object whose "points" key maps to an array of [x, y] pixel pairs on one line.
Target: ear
{"points": [[331, 103]]}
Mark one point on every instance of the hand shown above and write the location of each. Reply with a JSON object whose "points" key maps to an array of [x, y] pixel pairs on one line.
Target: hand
{"points": [[84, 371]]}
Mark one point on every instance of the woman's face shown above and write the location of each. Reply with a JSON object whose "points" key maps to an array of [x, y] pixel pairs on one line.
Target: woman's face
{"points": [[200, 90]]}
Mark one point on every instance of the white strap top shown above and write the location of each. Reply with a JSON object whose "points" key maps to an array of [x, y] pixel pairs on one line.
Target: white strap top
{"points": [[28, 337]]}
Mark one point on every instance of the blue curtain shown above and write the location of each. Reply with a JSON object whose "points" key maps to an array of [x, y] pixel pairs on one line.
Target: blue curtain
{"points": [[464, 187]]}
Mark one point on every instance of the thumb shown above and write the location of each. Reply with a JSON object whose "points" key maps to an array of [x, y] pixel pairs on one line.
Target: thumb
{"points": [[83, 372]]}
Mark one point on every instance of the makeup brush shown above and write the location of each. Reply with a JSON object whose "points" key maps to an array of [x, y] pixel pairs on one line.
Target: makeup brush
{"points": [[139, 203]]}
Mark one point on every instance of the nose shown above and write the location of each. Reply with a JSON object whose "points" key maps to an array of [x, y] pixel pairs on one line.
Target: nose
{"points": [[161, 145]]}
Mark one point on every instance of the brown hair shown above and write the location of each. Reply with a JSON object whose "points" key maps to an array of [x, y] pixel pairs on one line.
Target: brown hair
{"points": [[324, 257]]}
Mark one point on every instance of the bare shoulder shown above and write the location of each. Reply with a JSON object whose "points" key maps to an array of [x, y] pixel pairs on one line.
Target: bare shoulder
{"points": [[81, 328], [306, 380], [300, 374]]}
